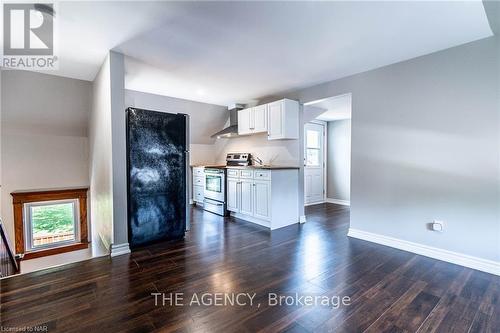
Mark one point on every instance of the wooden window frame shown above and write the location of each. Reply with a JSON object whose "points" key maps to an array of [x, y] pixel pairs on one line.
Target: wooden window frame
{"points": [[19, 198]]}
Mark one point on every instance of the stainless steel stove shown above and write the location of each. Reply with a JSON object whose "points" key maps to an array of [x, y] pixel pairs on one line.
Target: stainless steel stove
{"points": [[215, 190], [215, 182]]}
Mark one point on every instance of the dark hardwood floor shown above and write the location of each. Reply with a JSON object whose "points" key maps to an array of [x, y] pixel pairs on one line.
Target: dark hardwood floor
{"points": [[389, 290]]}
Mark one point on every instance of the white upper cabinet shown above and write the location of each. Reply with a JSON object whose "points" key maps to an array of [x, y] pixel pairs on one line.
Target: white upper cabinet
{"points": [[245, 121], [252, 120], [275, 114], [283, 120], [260, 118], [279, 119]]}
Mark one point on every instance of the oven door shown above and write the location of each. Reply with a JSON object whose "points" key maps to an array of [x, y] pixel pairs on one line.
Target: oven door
{"points": [[214, 186]]}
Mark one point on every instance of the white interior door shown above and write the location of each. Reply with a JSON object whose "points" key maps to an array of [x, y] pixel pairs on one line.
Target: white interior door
{"points": [[314, 135]]}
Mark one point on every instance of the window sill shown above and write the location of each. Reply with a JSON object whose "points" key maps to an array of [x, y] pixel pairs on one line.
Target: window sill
{"points": [[55, 250]]}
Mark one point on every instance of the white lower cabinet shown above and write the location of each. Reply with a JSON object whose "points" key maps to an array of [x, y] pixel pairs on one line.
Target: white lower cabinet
{"points": [[198, 194], [233, 197], [198, 179], [246, 201], [244, 194], [262, 199], [265, 197]]}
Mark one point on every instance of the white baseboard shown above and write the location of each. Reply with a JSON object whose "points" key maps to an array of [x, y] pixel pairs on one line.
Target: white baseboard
{"points": [[302, 219], [119, 249], [314, 203], [484, 265], [251, 219], [338, 201]]}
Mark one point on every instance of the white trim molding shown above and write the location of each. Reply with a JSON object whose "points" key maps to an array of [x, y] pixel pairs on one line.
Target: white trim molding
{"points": [[119, 249], [314, 203], [302, 219], [484, 265], [251, 219], [338, 201]]}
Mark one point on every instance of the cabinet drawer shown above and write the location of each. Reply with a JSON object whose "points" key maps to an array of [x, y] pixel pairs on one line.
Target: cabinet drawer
{"points": [[198, 172], [199, 181], [198, 195], [262, 174], [247, 174], [233, 173]]}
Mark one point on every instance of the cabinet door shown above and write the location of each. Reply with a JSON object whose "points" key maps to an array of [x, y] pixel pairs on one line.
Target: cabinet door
{"points": [[275, 120], [199, 181], [262, 198], [260, 118], [198, 194], [233, 189], [245, 121], [246, 203]]}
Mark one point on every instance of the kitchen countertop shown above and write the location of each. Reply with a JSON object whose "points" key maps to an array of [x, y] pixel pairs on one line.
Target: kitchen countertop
{"points": [[220, 166], [256, 167], [265, 167]]}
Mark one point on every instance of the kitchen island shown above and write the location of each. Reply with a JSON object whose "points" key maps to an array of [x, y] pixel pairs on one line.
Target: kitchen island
{"points": [[265, 195]]}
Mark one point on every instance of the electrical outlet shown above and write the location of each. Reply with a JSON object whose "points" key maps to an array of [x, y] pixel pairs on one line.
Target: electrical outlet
{"points": [[437, 226]]}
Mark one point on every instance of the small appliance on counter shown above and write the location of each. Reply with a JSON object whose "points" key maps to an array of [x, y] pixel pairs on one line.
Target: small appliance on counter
{"points": [[239, 159]]}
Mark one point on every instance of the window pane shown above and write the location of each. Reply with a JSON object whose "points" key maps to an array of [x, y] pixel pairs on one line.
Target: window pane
{"points": [[312, 157], [52, 223], [214, 183], [312, 139]]}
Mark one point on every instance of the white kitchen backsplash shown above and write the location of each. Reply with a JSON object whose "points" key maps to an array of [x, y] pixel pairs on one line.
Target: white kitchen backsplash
{"points": [[276, 152], [202, 154]]}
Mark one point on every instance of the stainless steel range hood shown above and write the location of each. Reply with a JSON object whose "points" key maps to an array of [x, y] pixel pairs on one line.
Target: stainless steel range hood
{"points": [[232, 130]]}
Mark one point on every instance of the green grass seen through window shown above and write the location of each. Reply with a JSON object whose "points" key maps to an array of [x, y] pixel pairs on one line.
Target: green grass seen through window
{"points": [[52, 219]]}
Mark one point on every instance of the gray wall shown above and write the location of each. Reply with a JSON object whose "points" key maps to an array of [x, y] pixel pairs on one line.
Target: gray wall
{"points": [[425, 145], [205, 119], [339, 160], [43, 138]]}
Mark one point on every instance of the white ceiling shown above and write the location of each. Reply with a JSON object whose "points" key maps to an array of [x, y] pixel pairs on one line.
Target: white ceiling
{"points": [[224, 52], [336, 108]]}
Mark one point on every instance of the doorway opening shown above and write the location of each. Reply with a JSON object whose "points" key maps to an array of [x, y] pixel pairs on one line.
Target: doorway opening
{"points": [[327, 150]]}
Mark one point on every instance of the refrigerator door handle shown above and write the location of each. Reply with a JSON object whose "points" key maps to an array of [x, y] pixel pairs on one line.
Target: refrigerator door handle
{"points": [[188, 171]]}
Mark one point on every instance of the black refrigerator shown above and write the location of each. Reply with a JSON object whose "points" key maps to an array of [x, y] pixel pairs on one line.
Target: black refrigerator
{"points": [[157, 162]]}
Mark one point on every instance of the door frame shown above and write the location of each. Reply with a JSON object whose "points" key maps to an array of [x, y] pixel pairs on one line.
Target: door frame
{"points": [[325, 161]]}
